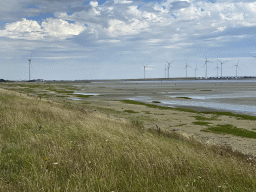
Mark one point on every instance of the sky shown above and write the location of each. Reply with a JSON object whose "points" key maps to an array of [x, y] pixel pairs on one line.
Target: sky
{"points": [[115, 39]]}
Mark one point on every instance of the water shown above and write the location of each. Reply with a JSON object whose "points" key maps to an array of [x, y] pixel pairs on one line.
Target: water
{"points": [[86, 93], [235, 95]]}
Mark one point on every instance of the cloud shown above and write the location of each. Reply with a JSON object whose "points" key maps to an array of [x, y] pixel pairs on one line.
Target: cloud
{"points": [[50, 28], [118, 27], [61, 29], [122, 2]]}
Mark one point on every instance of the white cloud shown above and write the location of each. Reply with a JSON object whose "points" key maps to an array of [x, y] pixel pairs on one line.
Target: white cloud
{"points": [[93, 3], [25, 29], [155, 40], [61, 29], [118, 27], [134, 11], [50, 28], [122, 2]]}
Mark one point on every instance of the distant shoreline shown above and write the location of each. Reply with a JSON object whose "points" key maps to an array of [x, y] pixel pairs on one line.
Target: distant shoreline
{"points": [[140, 79]]}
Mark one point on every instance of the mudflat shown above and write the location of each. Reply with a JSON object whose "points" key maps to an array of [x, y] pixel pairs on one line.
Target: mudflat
{"points": [[177, 94]]}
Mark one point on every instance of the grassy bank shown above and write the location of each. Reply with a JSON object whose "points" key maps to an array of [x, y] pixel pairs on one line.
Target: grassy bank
{"points": [[48, 146]]}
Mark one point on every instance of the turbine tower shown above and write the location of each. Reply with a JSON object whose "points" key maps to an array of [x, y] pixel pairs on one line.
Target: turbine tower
{"points": [[29, 63], [217, 70], [186, 69], [205, 64], [221, 66], [144, 69], [165, 72], [195, 70], [168, 66], [237, 67]]}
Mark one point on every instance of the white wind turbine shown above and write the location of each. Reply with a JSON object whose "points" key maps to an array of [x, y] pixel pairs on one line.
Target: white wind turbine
{"points": [[237, 67], [221, 66], [144, 69], [29, 63], [217, 69], [168, 66], [165, 72], [205, 64], [186, 69], [195, 70]]}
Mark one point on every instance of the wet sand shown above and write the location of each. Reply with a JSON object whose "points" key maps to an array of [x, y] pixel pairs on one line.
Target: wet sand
{"points": [[219, 92]]}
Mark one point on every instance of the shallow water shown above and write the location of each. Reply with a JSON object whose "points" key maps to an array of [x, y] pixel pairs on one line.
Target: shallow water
{"points": [[238, 96], [86, 93]]}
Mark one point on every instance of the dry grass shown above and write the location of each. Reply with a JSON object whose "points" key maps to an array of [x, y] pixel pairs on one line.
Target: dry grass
{"points": [[48, 146]]}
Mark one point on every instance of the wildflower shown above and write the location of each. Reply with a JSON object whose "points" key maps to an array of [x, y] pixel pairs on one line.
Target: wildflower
{"points": [[47, 159], [89, 161], [55, 163], [100, 179]]}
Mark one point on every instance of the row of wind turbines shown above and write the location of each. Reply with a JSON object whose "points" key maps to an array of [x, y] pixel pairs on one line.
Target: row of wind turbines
{"points": [[167, 67]]}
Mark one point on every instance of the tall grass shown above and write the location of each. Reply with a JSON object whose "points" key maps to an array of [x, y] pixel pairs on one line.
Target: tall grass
{"points": [[47, 146]]}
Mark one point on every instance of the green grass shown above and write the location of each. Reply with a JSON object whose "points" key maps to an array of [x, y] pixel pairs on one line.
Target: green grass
{"points": [[82, 96], [230, 129], [184, 97], [64, 91], [49, 146], [141, 103], [202, 118], [130, 111], [201, 123]]}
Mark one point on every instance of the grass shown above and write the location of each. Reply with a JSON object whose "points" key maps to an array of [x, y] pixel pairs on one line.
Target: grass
{"points": [[201, 123], [230, 129], [145, 104], [63, 91], [49, 146], [83, 96], [130, 111], [202, 118], [184, 97]]}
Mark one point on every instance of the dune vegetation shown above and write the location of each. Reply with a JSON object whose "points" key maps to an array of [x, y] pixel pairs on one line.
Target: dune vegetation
{"points": [[51, 146]]}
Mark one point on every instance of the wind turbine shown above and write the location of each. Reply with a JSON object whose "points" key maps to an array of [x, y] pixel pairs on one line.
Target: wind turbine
{"points": [[195, 70], [29, 63], [217, 69], [221, 66], [205, 64], [186, 69], [168, 66], [165, 72], [237, 67], [144, 69]]}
